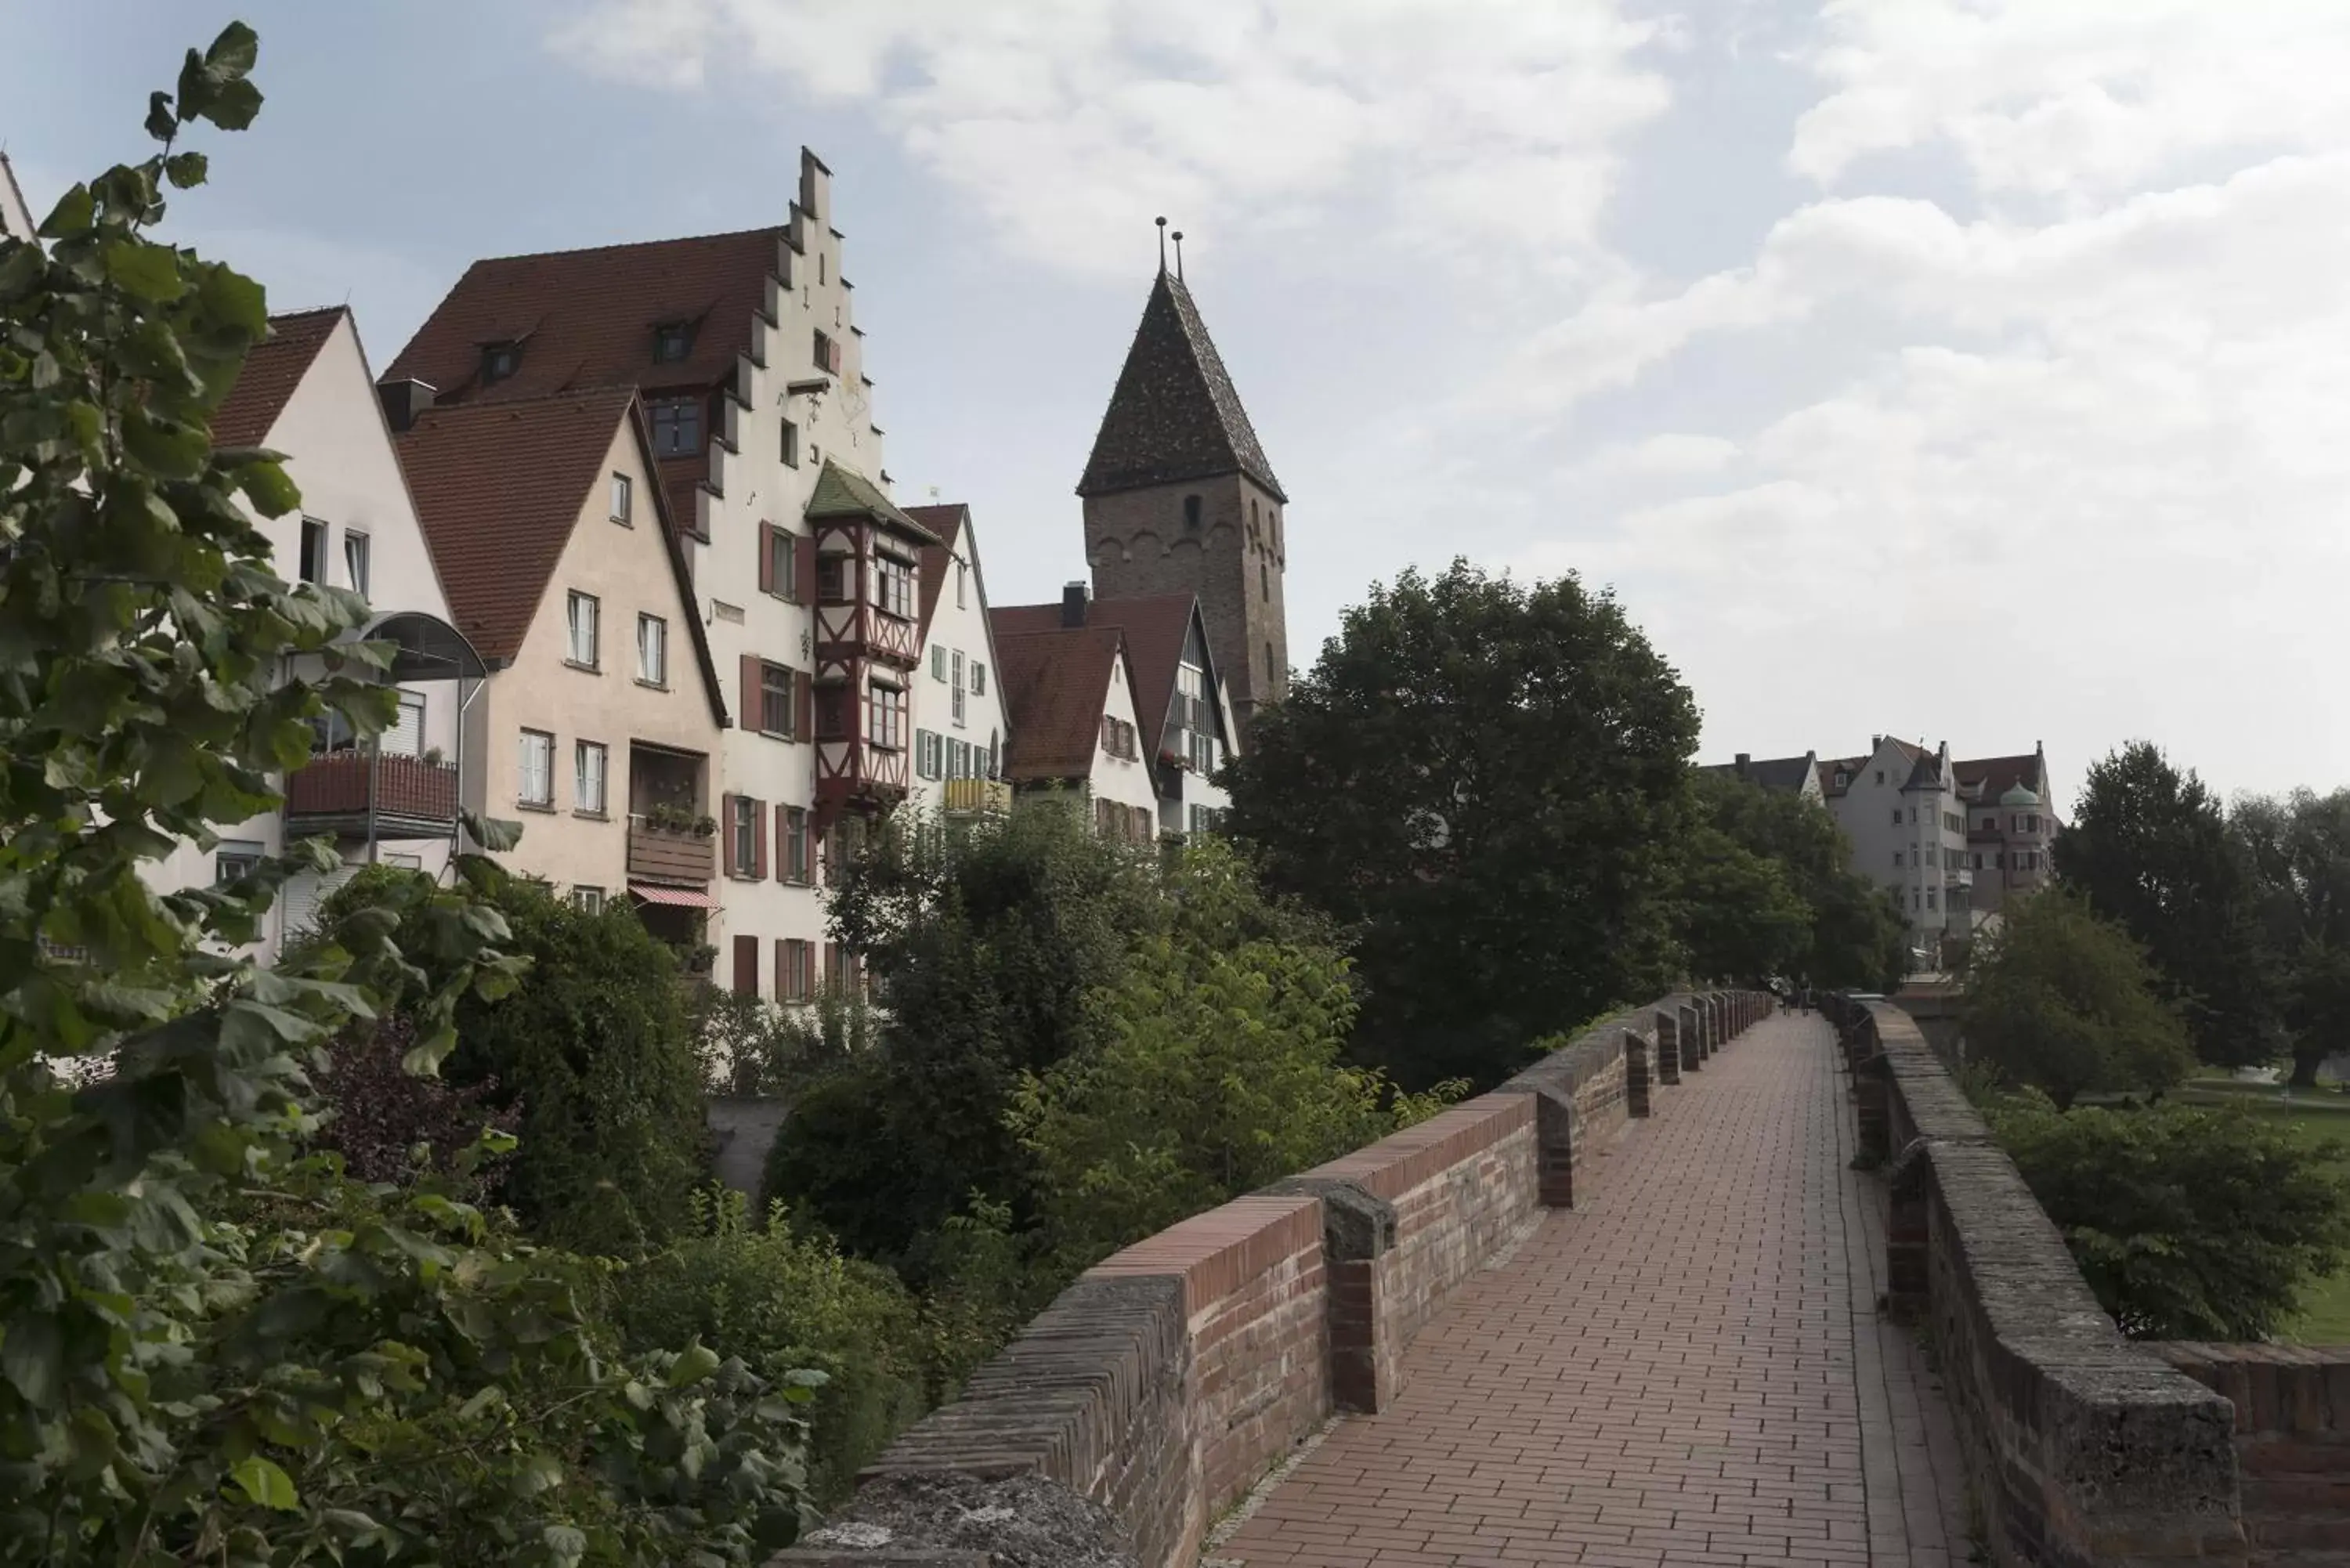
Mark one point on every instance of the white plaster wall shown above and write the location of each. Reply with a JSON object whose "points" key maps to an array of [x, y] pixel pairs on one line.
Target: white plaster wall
{"points": [[17, 219], [1116, 778], [958, 628]]}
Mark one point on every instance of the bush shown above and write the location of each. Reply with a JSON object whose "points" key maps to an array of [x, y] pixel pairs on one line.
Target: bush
{"points": [[781, 1301], [748, 1045], [389, 1124], [2189, 1222]]}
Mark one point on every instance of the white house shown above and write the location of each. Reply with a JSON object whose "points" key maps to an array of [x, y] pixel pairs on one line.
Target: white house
{"points": [[1075, 715], [16, 220], [1900, 808], [960, 727]]}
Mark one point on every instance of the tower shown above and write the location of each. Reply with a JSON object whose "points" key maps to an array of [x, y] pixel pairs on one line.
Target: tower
{"points": [[1178, 496]]}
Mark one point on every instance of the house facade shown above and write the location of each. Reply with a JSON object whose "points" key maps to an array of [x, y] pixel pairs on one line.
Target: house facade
{"points": [[1075, 724], [1898, 806], [17, 219], [960, 722], [752, 375], [306, 391], [2010, 827]]}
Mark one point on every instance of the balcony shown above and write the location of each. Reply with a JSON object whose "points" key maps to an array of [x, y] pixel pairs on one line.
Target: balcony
{"points": [[978, 797], [338, 794], [671, 855]]}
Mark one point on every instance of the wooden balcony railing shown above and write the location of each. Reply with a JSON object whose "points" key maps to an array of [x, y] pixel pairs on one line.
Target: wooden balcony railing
{"points": [[978, 797], [336, 792], [671, 855]]}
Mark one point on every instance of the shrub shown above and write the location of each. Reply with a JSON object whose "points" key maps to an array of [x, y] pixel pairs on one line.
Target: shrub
{"points": [[2189, 1222], [389, 1124], [781, 1301]]}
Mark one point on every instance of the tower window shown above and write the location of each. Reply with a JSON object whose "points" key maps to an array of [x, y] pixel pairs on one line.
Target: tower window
{"points": [[1191, 512], [672, 343], [1265, 582]]}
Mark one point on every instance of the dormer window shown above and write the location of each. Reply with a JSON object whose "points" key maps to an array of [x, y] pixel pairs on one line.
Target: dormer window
{"points": [[500, 360], [677, 427], [672, 342]]}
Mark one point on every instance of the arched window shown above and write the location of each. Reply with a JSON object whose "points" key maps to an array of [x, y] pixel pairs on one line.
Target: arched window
{"points": [[1265, 582], [1191, 512]]}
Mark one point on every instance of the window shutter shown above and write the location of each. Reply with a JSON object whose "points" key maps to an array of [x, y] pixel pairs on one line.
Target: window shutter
{"points": [[747, 716], [727, 834], [783, 845], [766, 557], [803, 568], [780, 947], [758, 840], [802, 705], [746, 966]]}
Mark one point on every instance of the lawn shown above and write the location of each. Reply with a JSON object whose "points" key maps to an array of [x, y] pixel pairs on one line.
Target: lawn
{"points": [[2316, 1116]]}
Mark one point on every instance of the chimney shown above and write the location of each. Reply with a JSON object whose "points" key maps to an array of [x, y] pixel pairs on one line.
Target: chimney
{"points": [[1073, 604], [1874, 741], [403, 400], [1744, 759]]}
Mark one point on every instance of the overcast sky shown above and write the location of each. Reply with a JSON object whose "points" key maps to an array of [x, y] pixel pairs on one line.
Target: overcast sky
{"points": [[1975, 369]]}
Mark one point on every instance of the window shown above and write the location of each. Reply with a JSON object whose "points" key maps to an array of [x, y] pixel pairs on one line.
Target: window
{"points": [[926, 753], [590, 901], [405, 862], [775, 699], [832, 580], [832, 712], [582, 609], [588, 778], [314, 550], [957, 666], [672, 343], [827, 354], [406, 736], [939, 662], [746, 966], [795, 844], [1880, 775], [886, 728], [623, 498], [1192, 512], [538, 787], [1272, 665], [743, 837], [500, 360], [1118, 737], [1929, 897], [1979, 865], [1844, 779], [356, 560], [677, 427], [794, 970], [978, 679], [1991, 824], [894, 586], [962, 572], [652, 651], [2031, 824], [791, 444], [233, 860], [1896, 817], [1896, 858]]}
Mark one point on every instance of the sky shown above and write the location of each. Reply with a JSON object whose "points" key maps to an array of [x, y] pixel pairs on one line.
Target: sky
{"points": [[1973, 370]]}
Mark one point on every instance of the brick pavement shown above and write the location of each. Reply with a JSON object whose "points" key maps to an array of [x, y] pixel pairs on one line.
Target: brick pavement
{"points": [[1687, 1368]]}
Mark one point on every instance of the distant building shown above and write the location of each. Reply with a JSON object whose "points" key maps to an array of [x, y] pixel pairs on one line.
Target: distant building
{"points": [[16, 218], [2011, 826], [960, 720], [1076, 718], [1789, 775]]}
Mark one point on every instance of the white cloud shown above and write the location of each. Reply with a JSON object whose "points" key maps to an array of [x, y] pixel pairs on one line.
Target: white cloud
{"points": [[1068, 123]]}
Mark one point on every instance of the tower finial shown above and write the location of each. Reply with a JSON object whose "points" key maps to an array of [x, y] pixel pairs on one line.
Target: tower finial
{"points": [[1162, 247], [1178, 255]]}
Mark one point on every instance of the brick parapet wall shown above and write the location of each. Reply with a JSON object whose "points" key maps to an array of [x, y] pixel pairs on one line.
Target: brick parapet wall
{"points": [[1165, 1383], [2083, 1449], [2291, 1407]]}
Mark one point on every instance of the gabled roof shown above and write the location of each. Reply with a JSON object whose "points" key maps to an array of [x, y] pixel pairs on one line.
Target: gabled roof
{"points": [[947, 523], [1785, 773], [1927, 775], [265, 381], [1056, 686], [499, 488], [1985, 779], [1174, 414], [845, 493], [1155, 626]]}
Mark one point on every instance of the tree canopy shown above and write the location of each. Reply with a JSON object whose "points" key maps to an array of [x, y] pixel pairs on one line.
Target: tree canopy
{"points": [[1774, 892], [2297, 848]]}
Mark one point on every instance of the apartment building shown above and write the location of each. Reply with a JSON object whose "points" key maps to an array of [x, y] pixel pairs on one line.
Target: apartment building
{"points": [[306, 391], [1900, 807], [804, 576], [1076, 722], [961, 724]]}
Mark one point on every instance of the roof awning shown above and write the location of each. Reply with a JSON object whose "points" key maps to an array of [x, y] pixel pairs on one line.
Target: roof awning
{"points": [[680, 898]]}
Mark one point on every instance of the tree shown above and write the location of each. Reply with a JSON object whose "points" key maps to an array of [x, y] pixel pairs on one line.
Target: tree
{"points": [[211, 1347], [2150, 848], [2189, 1222], [2298, 849], [1740, 919], [2061, 999], [1851, 933], [1485, 782]]}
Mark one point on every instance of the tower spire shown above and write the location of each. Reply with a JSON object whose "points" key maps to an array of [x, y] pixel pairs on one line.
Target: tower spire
{"points": [[1162, 247], [1178, 255]]}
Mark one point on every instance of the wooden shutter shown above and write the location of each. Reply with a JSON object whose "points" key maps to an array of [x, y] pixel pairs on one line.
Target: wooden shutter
{"points": [[748, 717], [758, 839], [727, 834], [766, 557], [782, 947], [782, 843], [803, 568], [746, 966], [802, 705]]}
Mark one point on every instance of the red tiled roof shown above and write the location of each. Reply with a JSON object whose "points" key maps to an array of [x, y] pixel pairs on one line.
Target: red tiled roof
{"points": [[1155, 626], [937, 559], [270, 373], [1997, 775], [1055, 688]]}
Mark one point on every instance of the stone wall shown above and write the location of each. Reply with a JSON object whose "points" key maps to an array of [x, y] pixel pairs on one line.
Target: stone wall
{"points": [[2083, 1449], [2292, 1444], [1170, 1379]]}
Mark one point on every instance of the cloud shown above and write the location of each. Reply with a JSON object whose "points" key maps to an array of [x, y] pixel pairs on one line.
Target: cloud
{"points": [[1462, 123]]}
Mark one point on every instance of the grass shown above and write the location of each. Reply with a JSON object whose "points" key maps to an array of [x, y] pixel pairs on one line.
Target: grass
{"points": [[2313, 1115]]}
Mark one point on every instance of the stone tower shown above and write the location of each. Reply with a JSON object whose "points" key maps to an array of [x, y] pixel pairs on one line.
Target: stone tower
{"points": [[1178, 497]]}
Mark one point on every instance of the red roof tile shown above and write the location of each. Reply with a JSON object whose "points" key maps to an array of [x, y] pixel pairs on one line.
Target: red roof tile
{"points": [[937, 559], [1155, 626], [269, 375], [1997, 775], [1055, 688]]}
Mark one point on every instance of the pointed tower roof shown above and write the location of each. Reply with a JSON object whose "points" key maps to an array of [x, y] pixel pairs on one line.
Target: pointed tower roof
{"points": [[1174, 414]]}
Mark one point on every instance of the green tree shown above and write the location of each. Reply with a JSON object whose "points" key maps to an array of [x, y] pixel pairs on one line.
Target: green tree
{"points": [[1485, 782], [2189, 1222], [2298, 849], [2061, 999], [1741, 919], [2150, 847], [1854, 936], [211, 1348]]}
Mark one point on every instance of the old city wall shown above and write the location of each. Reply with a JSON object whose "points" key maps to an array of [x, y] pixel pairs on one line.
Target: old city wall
{"points": [[1170, 1379]]}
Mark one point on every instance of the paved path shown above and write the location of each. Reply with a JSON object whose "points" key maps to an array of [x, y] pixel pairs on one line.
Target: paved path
{"points": [[1687, 1369]]}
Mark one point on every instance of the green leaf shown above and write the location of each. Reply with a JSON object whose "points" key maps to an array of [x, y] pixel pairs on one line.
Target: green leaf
{"points": [[264, 1484], [235, 298], [565, 1544], [694, 1363], [232, 104], [540, 1472], [32, 1356], [144, 270], [184, 170], [72, 217], [161, 123], [232, 53], [494, 835], [266, 484], [423, 1059]]}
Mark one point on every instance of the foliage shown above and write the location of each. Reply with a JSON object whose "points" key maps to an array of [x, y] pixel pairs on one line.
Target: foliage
{"points": [[2190, 1223], [1484, 783], [782, 1301], [390, 1125], [2064, 1001], [213, 1349], [1740, 919], [2149, 848], [1852, 934], [596, 1049], [1215, 1069], [2298, 852], [748, 1045]]}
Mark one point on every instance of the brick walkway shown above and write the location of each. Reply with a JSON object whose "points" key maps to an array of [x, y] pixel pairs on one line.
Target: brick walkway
{"points": [[1687, 1369]]}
